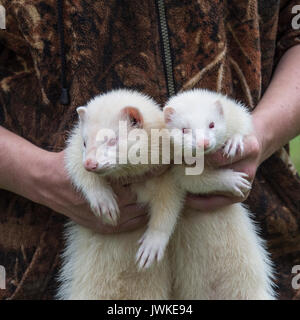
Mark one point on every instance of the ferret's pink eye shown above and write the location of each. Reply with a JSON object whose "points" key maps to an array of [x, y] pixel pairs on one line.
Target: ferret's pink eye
{"points": [[211, 125], [112, 142]]}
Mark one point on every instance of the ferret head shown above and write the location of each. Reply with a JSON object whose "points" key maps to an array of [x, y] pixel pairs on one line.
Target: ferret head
{"points": [[192, 111], [99, 124]]}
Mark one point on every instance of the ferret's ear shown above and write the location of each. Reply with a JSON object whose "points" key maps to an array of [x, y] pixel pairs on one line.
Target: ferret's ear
{"points": [[134, 116], [219, 107], [168, 113], [81, 111]]}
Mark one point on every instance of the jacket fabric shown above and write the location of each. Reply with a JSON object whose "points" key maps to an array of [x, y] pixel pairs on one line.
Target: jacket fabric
{"points": [[227, 46]]}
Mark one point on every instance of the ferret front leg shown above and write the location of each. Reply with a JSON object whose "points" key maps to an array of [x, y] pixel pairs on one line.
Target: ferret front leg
{"points": [[101, 198], [234, 145], [165, 202], [234, 182], [95, 189], [222, 180]]}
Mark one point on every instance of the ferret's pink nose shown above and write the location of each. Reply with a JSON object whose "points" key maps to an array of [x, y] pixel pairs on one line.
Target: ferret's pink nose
{"points": [[204, 143], [90, 165]]}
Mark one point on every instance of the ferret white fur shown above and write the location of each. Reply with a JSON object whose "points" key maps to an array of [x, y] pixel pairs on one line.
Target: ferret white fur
{"points": [[216, 255], [99, 266]]}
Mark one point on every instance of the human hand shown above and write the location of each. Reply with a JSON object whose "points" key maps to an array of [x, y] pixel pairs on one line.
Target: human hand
{"points": [[247, 162], [56, 192], [40, 176]]}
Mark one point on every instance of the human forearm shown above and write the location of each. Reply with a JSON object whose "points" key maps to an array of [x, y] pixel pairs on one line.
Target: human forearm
{"points": [[40, 176], [20, 163], [277, 116]]}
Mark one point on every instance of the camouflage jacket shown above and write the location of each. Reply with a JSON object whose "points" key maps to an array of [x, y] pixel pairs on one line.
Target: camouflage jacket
{"points": [[227, 46]]}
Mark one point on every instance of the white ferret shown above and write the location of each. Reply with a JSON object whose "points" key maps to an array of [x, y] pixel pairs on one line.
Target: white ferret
{"points": [[99, 266], [216, 255]]}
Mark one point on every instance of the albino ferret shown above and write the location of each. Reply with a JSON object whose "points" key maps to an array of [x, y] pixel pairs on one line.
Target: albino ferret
{"points": [[99, 266], [216, 255]]}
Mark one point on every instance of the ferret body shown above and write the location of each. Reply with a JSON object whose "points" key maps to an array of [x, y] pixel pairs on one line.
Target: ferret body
{"points": [[219, 254], [99, 266], [215, 255]]}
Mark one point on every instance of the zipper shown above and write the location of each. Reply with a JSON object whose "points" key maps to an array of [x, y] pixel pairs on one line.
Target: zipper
{"points": [[166, 48]]}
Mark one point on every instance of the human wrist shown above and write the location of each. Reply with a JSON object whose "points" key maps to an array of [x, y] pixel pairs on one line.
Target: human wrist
{"points": [[22, 165], [32, 174], [45, 175], [264, 137], [16, 162]]}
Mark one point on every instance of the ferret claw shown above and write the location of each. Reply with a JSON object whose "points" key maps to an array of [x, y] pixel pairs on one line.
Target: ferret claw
{"points": [[240, 184], [110, 215], [96, 210], [105, 207], [142, 238], [152, 248], [233, 145]]}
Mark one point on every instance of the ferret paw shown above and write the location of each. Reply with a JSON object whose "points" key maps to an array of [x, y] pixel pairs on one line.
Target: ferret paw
{"points": [[105, 206], [153, 245], [233, 145], [239, 184]]}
